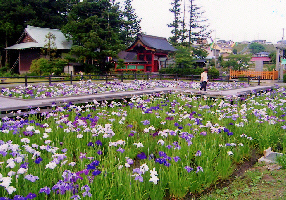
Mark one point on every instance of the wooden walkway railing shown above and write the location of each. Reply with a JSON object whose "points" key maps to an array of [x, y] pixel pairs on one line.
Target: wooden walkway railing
{"points": [[264, 75]]}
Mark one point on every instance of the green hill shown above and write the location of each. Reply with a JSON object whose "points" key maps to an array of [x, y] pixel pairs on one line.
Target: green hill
{"points": [[268, 48]]}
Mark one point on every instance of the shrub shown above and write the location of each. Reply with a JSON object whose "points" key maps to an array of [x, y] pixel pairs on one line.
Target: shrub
{"points": [[213, 72], [44, 66], [182, 71]]}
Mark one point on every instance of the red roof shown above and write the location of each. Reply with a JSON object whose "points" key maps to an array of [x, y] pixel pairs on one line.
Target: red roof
{"points": [[260, 59]]}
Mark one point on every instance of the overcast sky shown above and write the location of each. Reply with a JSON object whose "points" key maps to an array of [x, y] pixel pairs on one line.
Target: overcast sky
{"points": [[235, 20]]}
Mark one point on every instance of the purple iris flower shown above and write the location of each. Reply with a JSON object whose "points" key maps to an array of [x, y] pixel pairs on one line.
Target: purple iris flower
{"points": [[230, 133], [38, 160], [139, 178], [141, 156], [31, 196], [90, 144], [25, 165], [131, 134], [189, 169], [169, 118], [146, 122], [120, 150], [75, 197], [96, 172], [199, 153], [4, 153], [18, 197], [46, 190], [31, 178], [199, 168], [162, 154], [176, 158], [98, 142], [99, 152]]}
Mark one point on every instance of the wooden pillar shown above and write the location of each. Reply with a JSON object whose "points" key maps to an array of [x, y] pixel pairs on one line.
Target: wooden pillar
{"points": [[153, 63]]}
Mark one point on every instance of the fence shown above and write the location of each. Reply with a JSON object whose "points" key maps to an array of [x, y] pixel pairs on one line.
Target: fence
{"points": [[264, 75], [117, 77]]}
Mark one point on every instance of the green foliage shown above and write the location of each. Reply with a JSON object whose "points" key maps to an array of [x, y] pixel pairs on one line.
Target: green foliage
{"points": [[234, 51], [213, 72], [44, 66], [237, 62], [181, 71], [256, 48], [120, 64], [131, 25], [16, 14], [39, 65], [284, 78], [183, 57], [5, 72], [199, 53], [282, 160], [50, 47], [176, 23], [273, 57], [94, 27], [270, 67]]}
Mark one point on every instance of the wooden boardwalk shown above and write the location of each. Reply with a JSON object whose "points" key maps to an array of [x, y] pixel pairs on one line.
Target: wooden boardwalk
{"points": [[10, 106]]}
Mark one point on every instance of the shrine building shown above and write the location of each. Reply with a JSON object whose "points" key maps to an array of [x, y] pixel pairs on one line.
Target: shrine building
{"points": [[148, 54]]}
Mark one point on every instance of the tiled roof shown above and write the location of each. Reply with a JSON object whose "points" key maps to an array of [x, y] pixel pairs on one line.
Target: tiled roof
{"points": [[39, 36], [158, 43]]}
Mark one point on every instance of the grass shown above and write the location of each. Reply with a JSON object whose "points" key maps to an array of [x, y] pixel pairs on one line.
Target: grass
{"points": [[256, 183]]}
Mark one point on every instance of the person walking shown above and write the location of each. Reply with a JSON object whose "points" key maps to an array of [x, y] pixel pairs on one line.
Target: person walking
{"points": [[204, 79]]}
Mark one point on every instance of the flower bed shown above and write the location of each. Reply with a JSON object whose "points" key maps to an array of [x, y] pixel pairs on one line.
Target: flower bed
{"points": [[149, 147], [88, 87]]}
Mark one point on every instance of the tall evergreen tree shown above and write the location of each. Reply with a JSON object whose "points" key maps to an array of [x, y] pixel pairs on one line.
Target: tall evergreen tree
{"points": [[94, 27], [131, 22], [15, 15], [184, 30], [198, 28], [176, 10]]}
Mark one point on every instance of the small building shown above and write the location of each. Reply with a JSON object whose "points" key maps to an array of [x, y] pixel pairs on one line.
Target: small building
{"points": [[32, 41], [280, 60], [259, 61], [147, 54]]}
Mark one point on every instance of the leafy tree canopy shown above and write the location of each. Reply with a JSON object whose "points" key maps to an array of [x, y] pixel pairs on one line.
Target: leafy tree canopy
{"points": [[183, 57], [237, 61], [256, 48]]}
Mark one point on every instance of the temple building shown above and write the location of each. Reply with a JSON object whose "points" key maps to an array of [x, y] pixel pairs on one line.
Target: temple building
{"points": [[148, 53], [31, 43]]}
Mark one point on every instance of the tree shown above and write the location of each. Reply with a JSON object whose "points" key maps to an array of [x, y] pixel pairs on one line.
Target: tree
{"points": [[131, 23], [237, 62], [50, 46], [95, 28], [176, 23], [15, 15], [199, 53], [256, 48], [183, 57], [198, 28]]}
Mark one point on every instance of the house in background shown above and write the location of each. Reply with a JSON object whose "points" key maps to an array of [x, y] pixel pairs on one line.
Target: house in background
{"points": [[148, 53], [32, 41]]}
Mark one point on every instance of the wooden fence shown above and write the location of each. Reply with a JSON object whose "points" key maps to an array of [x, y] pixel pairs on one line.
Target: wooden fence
{"points": [[117, 77], [264, 75]]}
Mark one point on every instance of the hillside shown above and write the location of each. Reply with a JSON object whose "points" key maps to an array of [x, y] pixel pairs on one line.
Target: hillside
{"points": [[268, 48]]}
